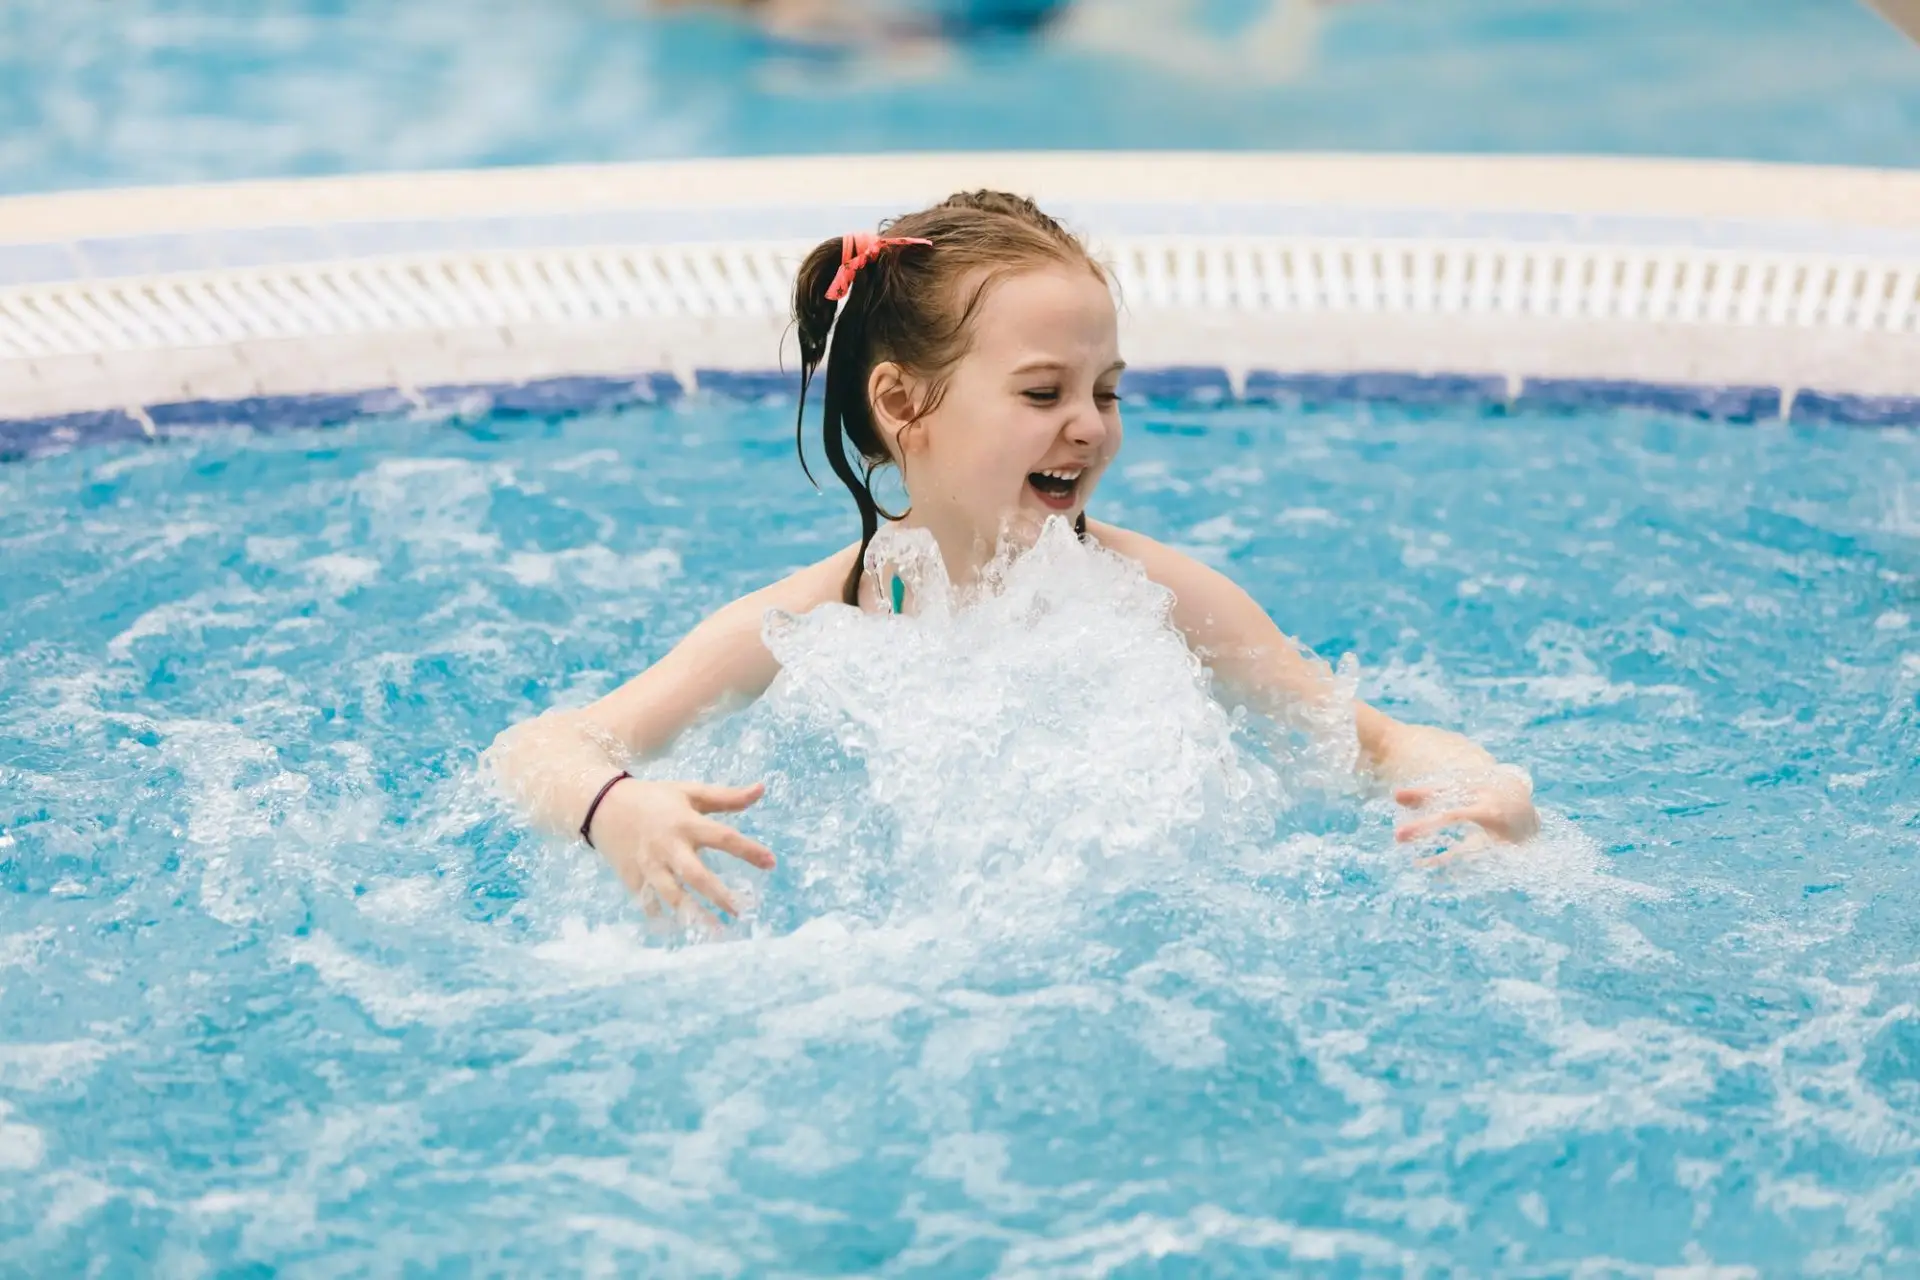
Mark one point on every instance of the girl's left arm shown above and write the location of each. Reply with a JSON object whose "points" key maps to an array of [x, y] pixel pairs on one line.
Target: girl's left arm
{"points": [[1427, 767]]}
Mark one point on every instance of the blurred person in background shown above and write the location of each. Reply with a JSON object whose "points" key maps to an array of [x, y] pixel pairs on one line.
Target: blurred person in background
{"points": [[1273, 45], [1904, 14]]}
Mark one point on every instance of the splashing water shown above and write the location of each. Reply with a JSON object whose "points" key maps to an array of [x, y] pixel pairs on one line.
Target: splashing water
{"points": [[1052, 730], [1066, 968]]}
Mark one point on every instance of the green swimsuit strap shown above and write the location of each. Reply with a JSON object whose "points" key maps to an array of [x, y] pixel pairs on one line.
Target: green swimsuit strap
{"points": [[899, 594]]}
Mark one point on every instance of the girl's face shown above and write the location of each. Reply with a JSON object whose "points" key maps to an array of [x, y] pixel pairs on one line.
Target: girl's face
{"points": [[1031, 414]]}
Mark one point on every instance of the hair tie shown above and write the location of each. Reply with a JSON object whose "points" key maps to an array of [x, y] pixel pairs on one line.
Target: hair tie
{"points": [[856, 251]]}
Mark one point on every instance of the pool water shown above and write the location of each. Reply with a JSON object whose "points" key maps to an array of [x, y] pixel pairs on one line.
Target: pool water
{"points": [[194, 90], [1065, 970]]}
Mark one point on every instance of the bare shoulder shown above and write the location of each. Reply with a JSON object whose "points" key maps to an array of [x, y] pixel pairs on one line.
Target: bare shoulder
{"points": [[722, 659], [1195, 586], [805, 589], [1211, 609], [1227, 627], [735, 628]]}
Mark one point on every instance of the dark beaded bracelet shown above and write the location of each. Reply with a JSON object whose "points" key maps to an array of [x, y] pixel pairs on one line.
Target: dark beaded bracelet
{"points": [[586, 823]]}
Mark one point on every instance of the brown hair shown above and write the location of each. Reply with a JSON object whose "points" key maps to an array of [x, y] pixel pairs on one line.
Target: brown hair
{"points": [[906, 307]]}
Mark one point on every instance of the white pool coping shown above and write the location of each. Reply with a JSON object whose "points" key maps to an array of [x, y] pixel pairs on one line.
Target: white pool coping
{"points": [[1802, 281]]}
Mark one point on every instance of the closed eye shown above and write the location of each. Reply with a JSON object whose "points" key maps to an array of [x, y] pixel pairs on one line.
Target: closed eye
{"points": [[1042, 395]]}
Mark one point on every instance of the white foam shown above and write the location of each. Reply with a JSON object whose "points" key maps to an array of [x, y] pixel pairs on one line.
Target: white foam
{"points": [[22, 950], [1015, 739], [217, 607], [22, 1146], [437, 507], [35, 1066], [1151, 1238], [598, 567], [682, 1253], [341, 573], [391, 995], [75, 1196]]}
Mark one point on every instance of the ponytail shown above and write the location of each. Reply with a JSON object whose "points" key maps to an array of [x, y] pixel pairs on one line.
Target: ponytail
{"points": [[813, 322], [844, 411]]}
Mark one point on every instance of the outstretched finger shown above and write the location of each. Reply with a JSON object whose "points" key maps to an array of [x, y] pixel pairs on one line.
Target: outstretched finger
{"points": [[707, 798], [718, 835], [631, 874], [1414, 797], [1420, 828], [662, 881], [667, 885], [697, 876]]}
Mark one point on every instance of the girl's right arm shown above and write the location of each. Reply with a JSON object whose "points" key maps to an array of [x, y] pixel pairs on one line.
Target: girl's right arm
{"points": [[651, 832]]}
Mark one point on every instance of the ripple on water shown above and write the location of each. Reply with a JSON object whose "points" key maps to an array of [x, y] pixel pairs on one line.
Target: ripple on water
{"points": [[1065, 969]]}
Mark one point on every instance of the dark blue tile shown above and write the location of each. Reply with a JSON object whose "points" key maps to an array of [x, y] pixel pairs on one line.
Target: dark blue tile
{"points": [[1856, 411], [25, 437], [749, 384], [554, 397], [1266, 386], [1722, 404], [1194, 384], [324, 410], [37, 263]]}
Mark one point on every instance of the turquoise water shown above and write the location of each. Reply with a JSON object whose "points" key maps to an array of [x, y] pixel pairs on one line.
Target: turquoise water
{"points": [[1064, 971], [191, 90]]}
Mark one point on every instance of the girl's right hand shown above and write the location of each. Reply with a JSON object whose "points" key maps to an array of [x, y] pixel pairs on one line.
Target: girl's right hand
{"points": [[652, 833]]}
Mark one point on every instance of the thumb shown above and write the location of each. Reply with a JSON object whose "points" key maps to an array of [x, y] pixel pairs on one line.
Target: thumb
{"points": [[707, 798]]}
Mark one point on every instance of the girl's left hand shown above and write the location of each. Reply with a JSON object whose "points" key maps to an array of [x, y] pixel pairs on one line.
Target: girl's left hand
{"points": [[1500, 804]]}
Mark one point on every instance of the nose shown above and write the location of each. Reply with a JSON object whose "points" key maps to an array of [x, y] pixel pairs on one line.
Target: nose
{"points": [[1087, 428]]}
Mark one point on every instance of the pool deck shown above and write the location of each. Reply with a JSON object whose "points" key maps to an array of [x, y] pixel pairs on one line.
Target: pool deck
{"points": [[1791, 286]]}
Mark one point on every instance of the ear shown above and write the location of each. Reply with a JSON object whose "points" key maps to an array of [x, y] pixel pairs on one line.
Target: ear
{"points": [[894, 396]]}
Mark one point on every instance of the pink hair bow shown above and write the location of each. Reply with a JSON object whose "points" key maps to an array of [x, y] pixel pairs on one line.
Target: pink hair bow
{"points": [[856, 251]]}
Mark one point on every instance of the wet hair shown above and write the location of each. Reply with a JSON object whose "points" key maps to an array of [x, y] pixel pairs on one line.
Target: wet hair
{"points": [[913, 305]]}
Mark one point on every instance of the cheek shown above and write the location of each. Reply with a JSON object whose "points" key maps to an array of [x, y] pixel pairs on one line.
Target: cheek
{"points": [[996, 447], [962, 459]]}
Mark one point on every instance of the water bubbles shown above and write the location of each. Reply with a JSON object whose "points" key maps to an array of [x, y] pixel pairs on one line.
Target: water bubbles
{"points": [[1068, 964], [1041, 736]]}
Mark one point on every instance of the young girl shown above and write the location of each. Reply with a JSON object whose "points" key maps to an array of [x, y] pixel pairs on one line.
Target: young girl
{"points": [[976, 350]]}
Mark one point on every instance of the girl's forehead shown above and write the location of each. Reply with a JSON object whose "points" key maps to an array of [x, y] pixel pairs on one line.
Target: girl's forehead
{"points": [[1057, 310]]}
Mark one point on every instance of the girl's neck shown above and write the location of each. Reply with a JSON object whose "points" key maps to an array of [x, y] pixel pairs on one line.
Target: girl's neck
{"points": [[962, 549]]}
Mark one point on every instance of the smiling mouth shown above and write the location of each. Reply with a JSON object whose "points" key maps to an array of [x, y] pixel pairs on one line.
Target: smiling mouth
{"points": [[1056, 488]]}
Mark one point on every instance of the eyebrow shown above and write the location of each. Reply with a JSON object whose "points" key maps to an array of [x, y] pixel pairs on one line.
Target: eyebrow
{"points": [[1044, 364]]}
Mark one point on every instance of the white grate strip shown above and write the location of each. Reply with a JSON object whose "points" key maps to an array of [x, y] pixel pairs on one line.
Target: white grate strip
{"points": [[1295, 275]]}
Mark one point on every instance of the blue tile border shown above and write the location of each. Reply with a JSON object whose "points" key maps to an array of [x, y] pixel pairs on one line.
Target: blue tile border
{"points": [[25, 437], [1181, 385], [552, 397], [1835, 409], [1721, 404], [293, 411], [749, 384], [1267, 387]]}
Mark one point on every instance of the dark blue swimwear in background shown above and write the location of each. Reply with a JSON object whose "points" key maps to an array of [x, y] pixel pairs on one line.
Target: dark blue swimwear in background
{"points": [[968, 19], [948, 19]]}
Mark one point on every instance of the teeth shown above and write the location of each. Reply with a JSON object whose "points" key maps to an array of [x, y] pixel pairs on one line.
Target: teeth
{"points": [[1062, 475]]}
